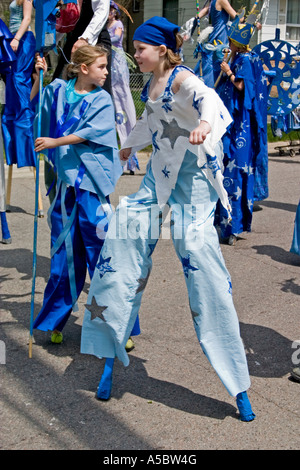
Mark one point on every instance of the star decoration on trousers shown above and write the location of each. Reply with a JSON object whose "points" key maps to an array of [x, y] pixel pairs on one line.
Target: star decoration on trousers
{"points": [[187, 266], [165, 172], [172, 131], [104, 266], [96, 310], [142, 283]]}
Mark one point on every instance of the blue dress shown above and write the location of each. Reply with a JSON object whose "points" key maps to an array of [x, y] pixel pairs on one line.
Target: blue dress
{"points": [[245, 143], [18, 115], [208, 67]]}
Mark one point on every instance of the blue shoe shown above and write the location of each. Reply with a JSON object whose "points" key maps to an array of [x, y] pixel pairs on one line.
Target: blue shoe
{"points": [[244, 406], [105, 384]]}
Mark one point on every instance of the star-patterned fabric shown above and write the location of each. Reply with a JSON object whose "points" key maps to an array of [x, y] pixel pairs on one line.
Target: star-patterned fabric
{"points": [[167, 125], [125, 264], [245, 143]]}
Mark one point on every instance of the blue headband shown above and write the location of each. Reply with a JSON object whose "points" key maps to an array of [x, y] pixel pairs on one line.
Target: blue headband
{"points": [[157, 31]]}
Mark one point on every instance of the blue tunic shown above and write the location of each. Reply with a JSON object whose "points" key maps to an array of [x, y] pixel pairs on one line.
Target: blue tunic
{"points": [[87, 174], [245, 143]]}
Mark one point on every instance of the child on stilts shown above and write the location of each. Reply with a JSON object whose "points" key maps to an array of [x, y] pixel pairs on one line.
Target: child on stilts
{"points": [[185, 121]]}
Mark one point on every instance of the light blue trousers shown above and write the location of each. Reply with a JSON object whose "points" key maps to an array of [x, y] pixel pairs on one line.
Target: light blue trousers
{"points": [[125, 263]]}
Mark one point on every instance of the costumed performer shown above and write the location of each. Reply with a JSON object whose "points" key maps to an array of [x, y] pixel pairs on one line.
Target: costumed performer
{"points": [[7, 57], [184, 120], [123, 101], [219, 12], [90, 29], [243, 89], [18, 115], [80, 139]]}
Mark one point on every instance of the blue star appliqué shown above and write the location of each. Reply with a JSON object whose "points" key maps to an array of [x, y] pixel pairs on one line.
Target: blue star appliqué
{"points": [[187, 266], [196, 103], [104, 266], [154, 143], [165, 172]]}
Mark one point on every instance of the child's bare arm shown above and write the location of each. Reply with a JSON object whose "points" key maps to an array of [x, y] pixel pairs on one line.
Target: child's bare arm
{"points": [[40, 65], [42, 143]]}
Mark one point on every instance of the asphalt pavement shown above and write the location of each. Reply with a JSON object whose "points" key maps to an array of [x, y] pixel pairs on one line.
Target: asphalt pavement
{"points": [[169, 397]]}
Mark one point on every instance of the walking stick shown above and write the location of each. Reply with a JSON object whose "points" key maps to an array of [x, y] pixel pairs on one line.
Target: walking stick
{"points": [[226, 59], [36, 210]]}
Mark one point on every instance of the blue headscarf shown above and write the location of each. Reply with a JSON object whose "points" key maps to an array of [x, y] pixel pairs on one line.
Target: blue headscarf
{"points": [[157, 31]]}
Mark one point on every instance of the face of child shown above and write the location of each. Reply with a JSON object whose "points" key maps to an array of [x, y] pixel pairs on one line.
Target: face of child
{"points": [[147, 56], [97, 72]]}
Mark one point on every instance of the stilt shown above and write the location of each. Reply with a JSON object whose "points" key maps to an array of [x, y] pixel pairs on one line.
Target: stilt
{"points": [[6, 238], [244, 406], [8, 191], [105, 384]]}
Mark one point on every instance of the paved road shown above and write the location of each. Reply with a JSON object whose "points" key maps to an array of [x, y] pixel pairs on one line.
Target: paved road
{"points": [[169, 398]]}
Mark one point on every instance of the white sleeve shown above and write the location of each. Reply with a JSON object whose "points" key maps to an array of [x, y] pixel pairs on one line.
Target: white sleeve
{"points": [[140, 136], [101, 11], [210, 109]]}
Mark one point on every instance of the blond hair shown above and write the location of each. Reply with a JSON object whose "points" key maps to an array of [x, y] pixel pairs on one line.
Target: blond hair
{"points": [[83, 55], [173, 58]]}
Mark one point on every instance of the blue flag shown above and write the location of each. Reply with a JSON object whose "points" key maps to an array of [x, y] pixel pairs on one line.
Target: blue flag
{"points": [[45, 21]]}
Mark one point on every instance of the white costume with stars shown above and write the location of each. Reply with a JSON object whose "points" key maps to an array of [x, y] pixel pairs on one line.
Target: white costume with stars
{"points": [[185, 177]]}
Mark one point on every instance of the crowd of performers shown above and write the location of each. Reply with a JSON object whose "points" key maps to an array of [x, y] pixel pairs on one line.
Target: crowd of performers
{"points": [[205, 159]]}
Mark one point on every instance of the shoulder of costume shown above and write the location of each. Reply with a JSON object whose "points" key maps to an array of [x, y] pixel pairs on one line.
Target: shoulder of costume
{"points": [[58, 82]]}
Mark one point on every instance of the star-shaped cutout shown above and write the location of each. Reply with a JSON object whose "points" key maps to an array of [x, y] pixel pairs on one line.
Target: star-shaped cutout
{"points": [[142, 283], [104, 266], [187, 266], [172, 131], [96, 310]]}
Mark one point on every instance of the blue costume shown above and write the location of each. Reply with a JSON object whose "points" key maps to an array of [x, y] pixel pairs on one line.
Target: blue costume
{"points": [[245, 143], [87, 174], [18, 115], [208, 67], [180, 176]]}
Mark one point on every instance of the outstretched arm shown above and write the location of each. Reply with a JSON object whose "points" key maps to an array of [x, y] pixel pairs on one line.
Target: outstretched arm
{"points": [[42, 143]]}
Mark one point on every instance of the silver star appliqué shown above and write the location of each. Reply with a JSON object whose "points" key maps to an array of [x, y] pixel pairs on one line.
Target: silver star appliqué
{"points": [[96, 310], [172, 131]]}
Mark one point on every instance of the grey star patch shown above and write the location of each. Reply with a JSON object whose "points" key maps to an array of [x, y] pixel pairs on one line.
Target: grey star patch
{"points": [[142, 283], [172, 131], [96, 310]]}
